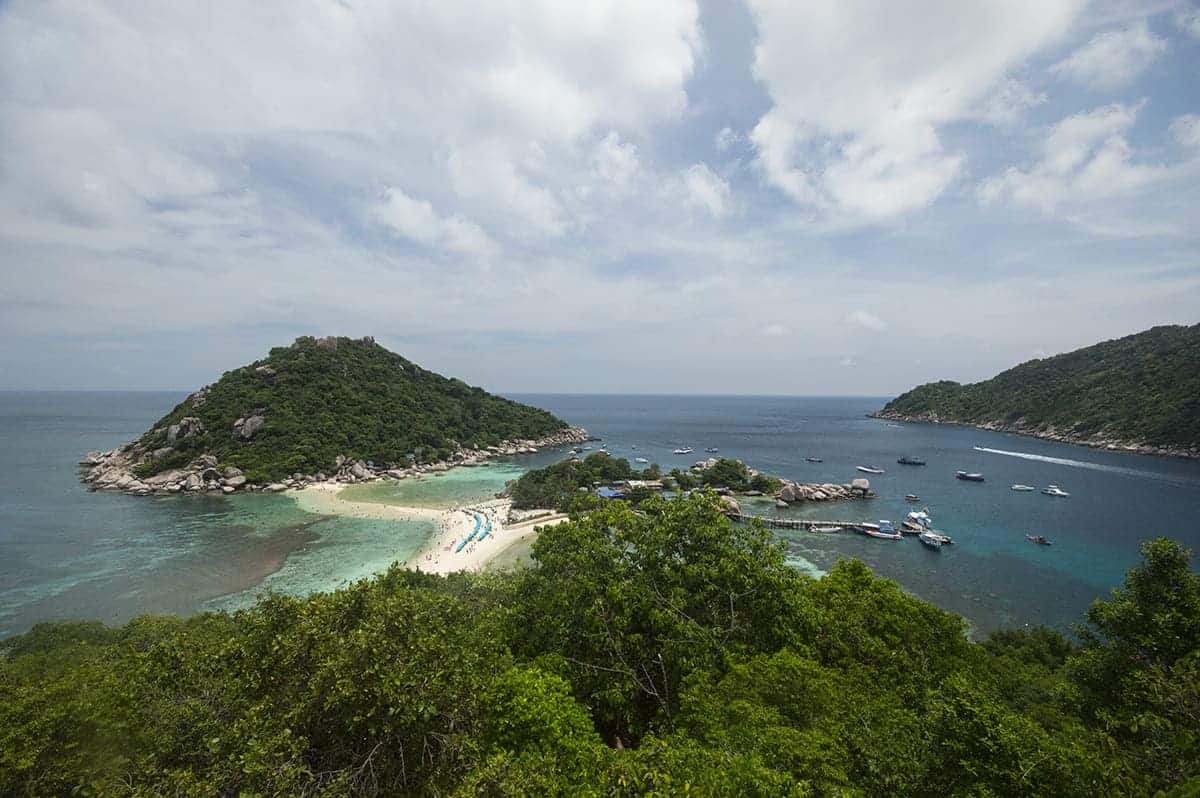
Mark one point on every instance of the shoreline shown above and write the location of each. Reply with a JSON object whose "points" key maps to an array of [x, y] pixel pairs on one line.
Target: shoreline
{"points": [[1100, 444], [437, 555]]}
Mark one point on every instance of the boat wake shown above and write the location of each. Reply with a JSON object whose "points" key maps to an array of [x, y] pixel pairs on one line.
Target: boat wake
{"points": [[1133, 472]]}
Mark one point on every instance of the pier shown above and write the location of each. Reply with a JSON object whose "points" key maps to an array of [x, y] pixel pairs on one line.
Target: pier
{"points": [[795, 523]]}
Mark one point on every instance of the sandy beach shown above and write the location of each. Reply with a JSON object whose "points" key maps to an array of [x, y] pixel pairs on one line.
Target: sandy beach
{"points": [[440, 554]]}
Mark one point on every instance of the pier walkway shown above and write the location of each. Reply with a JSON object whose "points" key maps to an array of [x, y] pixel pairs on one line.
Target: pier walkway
{"points": [[796, 523]]}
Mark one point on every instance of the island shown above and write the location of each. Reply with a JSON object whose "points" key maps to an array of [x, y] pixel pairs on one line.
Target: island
{"points": [[333, 409], [1140, 393]]}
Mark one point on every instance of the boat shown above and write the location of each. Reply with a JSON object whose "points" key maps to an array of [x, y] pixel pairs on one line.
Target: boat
{"points": [[826, 529], [712, 450], [813, 460], [911, 461], [963, 475], [640, 460], [1041, 540], [684, 450], [911, 497], [931, 540], [870, 469], [1055, 490], [1023, 488], [883, 530]]}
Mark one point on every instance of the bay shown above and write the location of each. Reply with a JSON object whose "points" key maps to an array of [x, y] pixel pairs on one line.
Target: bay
{"points": [[66, 553]]}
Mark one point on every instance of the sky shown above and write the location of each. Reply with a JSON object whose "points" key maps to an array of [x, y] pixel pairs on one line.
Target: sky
{"points": [[772, 197]]}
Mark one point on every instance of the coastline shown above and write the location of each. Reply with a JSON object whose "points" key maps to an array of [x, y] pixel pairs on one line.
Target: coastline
{"points": [[438, 555], [1093, 442]]}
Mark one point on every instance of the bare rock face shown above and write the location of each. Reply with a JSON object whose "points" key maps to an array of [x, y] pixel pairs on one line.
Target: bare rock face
{"points": [[199, 398], [186, 428], [248, 427], [862, 485], [731, 505], [266, 372]]}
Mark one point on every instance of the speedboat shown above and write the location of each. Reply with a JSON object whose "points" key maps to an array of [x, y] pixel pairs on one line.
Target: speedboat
{"points": [[813, 460], [1041, 540], [685, 450], [910, 461], [640, 460], [870, 469], [968, 477], [911, 497], [931, 540], [1055, 490], [883, 530], [1023, 488]]}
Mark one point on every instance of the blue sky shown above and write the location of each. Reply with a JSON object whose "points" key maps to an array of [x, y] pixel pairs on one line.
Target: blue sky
{"points": [[768, 197]]}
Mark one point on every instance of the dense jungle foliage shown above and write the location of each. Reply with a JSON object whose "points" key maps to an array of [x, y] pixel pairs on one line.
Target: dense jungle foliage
{"points": [[660, 652], [323, 397], [1144, 388]]}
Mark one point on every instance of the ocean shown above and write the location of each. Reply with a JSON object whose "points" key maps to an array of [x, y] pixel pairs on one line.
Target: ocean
{"points": [[67, 553]]}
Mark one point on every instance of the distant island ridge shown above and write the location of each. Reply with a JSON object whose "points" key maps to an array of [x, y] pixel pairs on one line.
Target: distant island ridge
{"points": [[335, 408], [1140, 393]]}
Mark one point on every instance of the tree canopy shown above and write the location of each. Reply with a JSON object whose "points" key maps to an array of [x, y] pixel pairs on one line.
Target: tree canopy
{"points": [[657, 651]]}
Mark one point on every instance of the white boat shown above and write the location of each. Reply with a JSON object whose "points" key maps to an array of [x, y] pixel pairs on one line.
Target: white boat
{"points": [[1055, 490], [884, 530], [870, 470], [1023, 488], [826, 529], [640, 460], [930, 539], [712, 449], [685, 450]]}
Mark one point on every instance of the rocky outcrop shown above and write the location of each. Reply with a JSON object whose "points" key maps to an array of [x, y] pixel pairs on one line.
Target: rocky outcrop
{"points": [[117, 469], [186, 428], [1049, 433], [246, 428], [796, 492]]}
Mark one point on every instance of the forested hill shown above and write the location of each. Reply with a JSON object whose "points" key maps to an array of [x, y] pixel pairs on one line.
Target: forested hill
{"points": [[1139, 391], [303, 405]]}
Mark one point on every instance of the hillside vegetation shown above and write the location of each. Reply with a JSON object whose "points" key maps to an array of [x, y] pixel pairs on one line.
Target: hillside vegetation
{"points": [[659, 652], [303, 405], [1142, 389]]}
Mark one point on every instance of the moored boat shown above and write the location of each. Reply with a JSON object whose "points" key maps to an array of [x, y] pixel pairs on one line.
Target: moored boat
{"points": [[826, 529], [684, 450], [913, 461], [869, 469], [1041, 540], [912, 497], [640, 460], [883, 530], [813, 460], [931, 540], [972, 477], [1054, 490], [712, 449], [1023, 488]]}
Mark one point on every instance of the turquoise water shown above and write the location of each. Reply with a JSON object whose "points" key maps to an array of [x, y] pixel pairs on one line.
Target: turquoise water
{"points": [[66, 553]]}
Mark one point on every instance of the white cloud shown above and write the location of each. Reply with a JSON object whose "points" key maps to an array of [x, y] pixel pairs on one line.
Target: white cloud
{"points": [[417, 221], [1086, 157], [775, 331], [706, 190], [727, 137], [1114, 58], [1187, 19], [1008, 104], [866, 320], [859, 92], [616, 162], [1186, 130]]}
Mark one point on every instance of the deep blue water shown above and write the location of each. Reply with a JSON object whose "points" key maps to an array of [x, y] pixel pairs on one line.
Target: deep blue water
{"points": [[67, 553]]}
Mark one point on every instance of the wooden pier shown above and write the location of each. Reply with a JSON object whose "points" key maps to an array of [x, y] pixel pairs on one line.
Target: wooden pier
{"points": [[796, 523]]}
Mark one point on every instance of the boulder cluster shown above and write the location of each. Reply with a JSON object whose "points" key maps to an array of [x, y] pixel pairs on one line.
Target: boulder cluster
{"points": [[793, 492], [117, 469]]}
